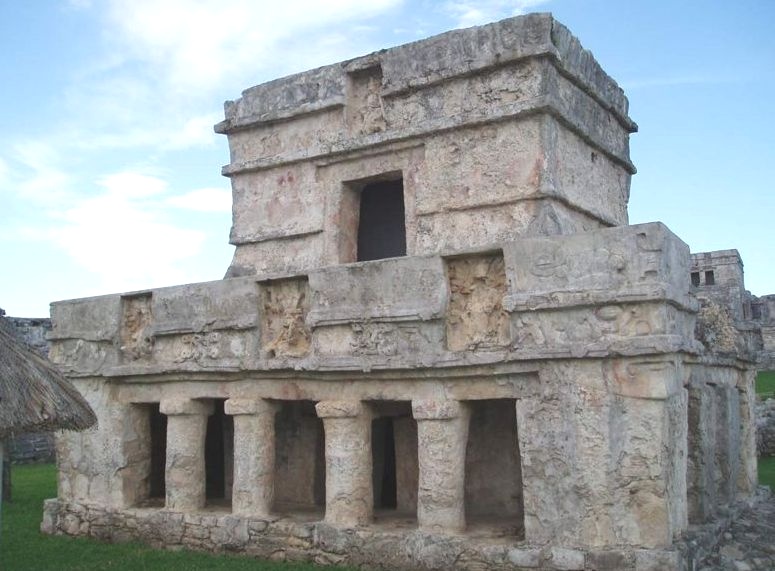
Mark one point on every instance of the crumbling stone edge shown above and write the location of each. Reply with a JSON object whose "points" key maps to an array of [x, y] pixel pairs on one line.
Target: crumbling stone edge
{"points": [[323, 544]]}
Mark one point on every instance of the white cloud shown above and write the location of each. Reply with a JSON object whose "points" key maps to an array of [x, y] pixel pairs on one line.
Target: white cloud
{"points": [[474, 13], [123, 236], [196, 131], [203, 200], [38, 175], [132, 185], [195, 46]]}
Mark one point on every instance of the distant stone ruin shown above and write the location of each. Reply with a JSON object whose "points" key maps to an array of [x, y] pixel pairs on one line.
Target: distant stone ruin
{"points": [[439, 345], [29, 447]]}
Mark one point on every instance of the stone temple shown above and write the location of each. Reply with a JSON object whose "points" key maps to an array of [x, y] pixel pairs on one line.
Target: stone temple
{"points": [[439, 345]]}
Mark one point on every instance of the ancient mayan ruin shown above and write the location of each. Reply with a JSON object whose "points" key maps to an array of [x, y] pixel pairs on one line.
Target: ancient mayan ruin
{"points": [[439, 345]]}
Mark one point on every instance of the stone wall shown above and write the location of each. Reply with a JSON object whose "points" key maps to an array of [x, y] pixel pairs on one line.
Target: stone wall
{"points": [[765, 427], [30, 447], [394, 549]]}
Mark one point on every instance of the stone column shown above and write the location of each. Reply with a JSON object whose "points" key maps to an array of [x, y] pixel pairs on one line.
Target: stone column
{"points": [[185, 467], [442, 436], [349, 493], [254, 453]]}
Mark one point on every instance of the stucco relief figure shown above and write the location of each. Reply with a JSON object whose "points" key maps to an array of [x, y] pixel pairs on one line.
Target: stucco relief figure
{"points": [[476, 318], [136, 335], [285, 331]]}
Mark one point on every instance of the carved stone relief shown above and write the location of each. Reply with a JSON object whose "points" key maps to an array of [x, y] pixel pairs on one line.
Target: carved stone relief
{"points": [[284, 332], [475, 317], [199, 346], [136, 336]]}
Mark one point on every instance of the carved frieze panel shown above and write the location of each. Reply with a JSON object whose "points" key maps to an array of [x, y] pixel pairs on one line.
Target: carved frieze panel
{"points": [[475, 316], [380, 339], [284, 308], [136, 335], [207, 348], [607, 328]]}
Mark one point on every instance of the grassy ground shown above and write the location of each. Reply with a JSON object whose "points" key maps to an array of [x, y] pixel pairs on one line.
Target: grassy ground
{"points": [[765, 383], [767, 472], [24, 548]]}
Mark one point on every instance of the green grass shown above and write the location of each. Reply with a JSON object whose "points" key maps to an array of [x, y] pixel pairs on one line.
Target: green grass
{"points": [[767, 472], [24, 548], [765, 383]]}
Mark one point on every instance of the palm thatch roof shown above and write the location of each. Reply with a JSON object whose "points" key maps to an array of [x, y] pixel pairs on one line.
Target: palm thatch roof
{"points": [[34, 396]]}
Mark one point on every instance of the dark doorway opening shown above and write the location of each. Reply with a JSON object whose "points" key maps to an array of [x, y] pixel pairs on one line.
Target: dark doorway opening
{"points": [[158, 429], [219, 455], [394, 462], [383, 458], [493, 486], [300, 459], [381, 223]]}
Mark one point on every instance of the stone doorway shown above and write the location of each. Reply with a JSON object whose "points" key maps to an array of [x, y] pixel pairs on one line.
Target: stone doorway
{"points": [[300, 465], [219, 457], [493, 485], [394, 462]]}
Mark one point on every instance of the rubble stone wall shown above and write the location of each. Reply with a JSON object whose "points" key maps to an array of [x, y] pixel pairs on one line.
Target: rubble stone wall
{"points": [[30, 447], [765, 427]]}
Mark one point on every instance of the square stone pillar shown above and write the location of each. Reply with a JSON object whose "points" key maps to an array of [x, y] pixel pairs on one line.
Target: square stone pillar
{"points": [[254, 453], [349, 490], [442, 436], [185, 467]]}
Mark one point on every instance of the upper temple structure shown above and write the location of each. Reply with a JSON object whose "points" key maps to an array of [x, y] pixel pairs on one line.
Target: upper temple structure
{"points": [[439, 344]]}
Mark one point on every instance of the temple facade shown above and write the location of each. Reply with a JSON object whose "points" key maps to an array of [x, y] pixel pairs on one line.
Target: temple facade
{"points": [[439, 345]]}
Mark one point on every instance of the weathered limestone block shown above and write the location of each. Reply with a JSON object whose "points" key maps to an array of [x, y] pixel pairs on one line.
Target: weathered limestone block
{"points": [[88, 460], [442, 435], [349, 489], [613, 472], [651, 451], [83, 334], [254, 455], [630, 263], [371, 291], [185, 467]]}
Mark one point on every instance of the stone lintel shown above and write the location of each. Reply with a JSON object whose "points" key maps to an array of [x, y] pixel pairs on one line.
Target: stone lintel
{"points": [[436, 409], [236, 406], [340, 409], [180, 406]]}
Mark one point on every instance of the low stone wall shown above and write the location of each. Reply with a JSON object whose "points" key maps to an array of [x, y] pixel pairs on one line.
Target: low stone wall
{"points": [[31, 447], [765, 427], [368, 547]]}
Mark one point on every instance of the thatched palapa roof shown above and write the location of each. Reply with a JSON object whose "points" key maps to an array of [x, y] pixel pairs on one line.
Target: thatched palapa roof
{"points": [[34, 396]]}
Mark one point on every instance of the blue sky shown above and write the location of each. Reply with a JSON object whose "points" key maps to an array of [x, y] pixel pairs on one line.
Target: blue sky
{"points": [[110, 171]]}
